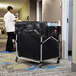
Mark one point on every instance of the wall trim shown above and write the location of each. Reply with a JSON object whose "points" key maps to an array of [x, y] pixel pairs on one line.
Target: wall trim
{"points": [[73, 67]]}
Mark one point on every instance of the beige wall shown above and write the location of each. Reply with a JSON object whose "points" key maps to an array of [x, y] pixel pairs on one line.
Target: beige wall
{"points": [[52, 10], [32, 10], [40, 11], [24, 11], [74, 33]]}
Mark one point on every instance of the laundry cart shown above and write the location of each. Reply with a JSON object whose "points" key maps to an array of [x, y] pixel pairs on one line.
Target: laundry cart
{"points": [[37, 41]]}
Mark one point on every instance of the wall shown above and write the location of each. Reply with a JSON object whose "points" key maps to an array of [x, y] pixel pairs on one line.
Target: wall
{"points": [[74, 37], [74, 32], [32, 10], [52, 10], [24, 11]]}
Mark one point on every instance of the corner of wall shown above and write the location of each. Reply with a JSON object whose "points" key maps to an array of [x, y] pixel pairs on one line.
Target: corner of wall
{"points": [[25, 10]]}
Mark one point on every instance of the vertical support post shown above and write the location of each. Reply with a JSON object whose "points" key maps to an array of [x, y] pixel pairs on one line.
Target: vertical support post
{"points": [[16, 46], [37, 10], [16, 50], [41, 39], [65, 16]]}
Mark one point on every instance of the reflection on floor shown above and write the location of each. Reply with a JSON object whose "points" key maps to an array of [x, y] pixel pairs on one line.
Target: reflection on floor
{"points": [[70, 58], [8, 67]]}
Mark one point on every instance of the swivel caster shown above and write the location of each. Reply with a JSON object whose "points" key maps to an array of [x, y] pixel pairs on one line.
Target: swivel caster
{"points": [[40, 64], [58, 61], [16, 59]]}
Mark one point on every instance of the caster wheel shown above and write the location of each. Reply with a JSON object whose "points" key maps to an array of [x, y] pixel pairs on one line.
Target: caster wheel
{"points": [[58, 61], [40, 65], [16, 59]]}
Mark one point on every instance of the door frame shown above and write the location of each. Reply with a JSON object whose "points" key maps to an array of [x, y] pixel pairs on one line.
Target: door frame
{"points": [[65, 24]]}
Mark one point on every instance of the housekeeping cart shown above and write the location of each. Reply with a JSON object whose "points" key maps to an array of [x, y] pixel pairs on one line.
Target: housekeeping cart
{"points": [[37, 41]]}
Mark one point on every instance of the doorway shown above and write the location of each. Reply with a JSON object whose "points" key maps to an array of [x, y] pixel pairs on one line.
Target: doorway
{"points": [[70, 31], [67, 29]]}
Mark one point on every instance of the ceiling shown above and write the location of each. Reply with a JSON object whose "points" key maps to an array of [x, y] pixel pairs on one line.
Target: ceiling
{"points": [[16, 4]]}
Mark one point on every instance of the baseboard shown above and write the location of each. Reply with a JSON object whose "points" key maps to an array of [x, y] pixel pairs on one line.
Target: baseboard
{"points": [[73, 67]]}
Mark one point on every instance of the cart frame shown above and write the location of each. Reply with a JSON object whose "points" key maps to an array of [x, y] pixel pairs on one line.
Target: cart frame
{"points": [[41, 50]]}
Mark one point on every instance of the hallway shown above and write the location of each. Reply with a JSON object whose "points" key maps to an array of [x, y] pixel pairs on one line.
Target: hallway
{"points": [[8, 67], [56, 13]]}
